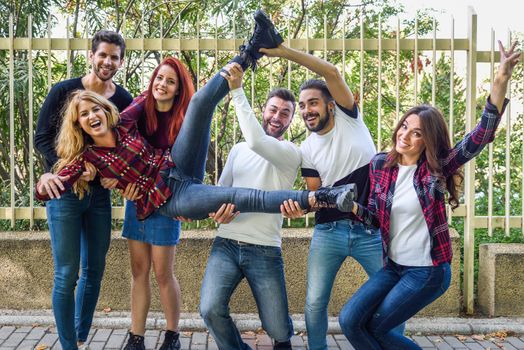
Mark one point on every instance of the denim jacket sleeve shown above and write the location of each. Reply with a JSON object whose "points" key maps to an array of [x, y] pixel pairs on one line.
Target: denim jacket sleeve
{"points": [[471, 145]]}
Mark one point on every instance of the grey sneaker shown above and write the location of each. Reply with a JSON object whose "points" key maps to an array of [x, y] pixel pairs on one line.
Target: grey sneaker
{"points": [[339, 197]]}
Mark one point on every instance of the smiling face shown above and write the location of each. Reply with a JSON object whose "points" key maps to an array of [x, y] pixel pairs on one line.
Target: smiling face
{"points": [[409, 140], [92, 119], [316, 113], [277, 116], [106, 61], [165, 87]]}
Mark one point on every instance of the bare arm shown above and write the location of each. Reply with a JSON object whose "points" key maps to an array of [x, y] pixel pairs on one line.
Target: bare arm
{"points": [[334, 80]]}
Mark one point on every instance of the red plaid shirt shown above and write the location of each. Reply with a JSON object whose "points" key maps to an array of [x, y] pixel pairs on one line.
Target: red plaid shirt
{"points": [[430, 190], [133, 160]]}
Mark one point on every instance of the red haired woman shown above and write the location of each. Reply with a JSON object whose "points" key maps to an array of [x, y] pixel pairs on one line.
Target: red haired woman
{"points": [[152, 242]]}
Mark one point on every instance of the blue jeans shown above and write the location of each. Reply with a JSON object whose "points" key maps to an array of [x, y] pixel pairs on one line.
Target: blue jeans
{"points": [[331, 244], [190, 197], [388, 298], [229, 262], [80, 235]]}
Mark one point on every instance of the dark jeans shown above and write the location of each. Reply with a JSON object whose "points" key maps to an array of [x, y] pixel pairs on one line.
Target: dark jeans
{"points": [[80, 235], [190, 197], [391, 296], [262, 266]]}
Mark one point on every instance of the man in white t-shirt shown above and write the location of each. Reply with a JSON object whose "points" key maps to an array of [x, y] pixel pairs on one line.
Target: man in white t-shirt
{"points": [[337, 152], [249, 246]]}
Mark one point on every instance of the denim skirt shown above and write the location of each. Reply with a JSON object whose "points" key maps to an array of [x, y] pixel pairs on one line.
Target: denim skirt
{"points": [[157, 229]]}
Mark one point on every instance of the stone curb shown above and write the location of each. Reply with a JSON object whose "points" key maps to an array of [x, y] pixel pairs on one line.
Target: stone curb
{"points": [[245, 322]]}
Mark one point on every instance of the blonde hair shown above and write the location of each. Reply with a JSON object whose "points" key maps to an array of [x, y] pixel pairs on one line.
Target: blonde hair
{"points": [[72, 141]]}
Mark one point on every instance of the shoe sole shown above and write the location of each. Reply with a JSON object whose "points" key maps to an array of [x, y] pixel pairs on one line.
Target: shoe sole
{"points": [[262, 18], [349, 196]]}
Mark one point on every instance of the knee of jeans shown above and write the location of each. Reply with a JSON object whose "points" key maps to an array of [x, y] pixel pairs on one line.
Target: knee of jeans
{"points": [[210, 310], [316, 302], [93, 273], [65, 278], [279, 332], [348, 323]]}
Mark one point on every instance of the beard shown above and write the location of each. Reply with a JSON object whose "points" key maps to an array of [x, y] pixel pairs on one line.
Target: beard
{"points": [[322, 121], [276, 134]]}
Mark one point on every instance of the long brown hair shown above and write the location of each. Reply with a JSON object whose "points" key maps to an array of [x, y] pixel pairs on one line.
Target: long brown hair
{"points": [[72, 141], [437, 145], [180, 103]]}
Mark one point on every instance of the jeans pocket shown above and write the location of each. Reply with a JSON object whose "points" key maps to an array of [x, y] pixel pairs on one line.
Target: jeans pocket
{"points": [[325, 227]]}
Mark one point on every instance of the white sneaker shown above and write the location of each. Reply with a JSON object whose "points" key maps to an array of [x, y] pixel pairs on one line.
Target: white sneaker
{"points": [[84, 347]]}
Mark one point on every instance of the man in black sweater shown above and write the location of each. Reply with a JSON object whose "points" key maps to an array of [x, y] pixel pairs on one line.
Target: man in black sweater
{"points": [[80, 228]]}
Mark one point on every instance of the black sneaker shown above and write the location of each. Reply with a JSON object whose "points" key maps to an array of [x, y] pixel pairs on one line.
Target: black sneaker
{"points": [[135, 342], [340, 197], [264, 35], [282, 345], [171, 341]]}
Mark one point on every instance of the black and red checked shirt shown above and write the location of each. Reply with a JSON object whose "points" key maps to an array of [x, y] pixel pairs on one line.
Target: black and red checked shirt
{"points": [[132, 160], [430, 190]]}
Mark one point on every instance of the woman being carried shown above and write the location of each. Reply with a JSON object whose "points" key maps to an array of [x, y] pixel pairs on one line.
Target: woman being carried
{"points": [[407, 203], [168, 182]]}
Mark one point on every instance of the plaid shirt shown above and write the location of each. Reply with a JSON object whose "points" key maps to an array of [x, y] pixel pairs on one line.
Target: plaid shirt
{"points": [[430, 190], [133, 160]]}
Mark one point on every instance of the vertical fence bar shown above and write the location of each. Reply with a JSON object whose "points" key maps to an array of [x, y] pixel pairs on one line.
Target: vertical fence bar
{"points": [[434, 57], [288, 132], [31, 122], [198, 52], [235, 119], [451, 98], [415, 63], [397, 74], [142, 53], [161, 38], [522, 187], [452, 82], [12, 118], [215, 116], [490, 146], [86, 36], [68, 50], [507, 204], [469, 171], [345, 16], [379, 88], [49, 75], [271, 79], [124, 66], [325, 37], [361, 91], [307, 48]]}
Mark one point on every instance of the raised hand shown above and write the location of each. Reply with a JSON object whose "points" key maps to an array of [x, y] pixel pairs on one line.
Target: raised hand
{"points": [[233, 73], [508, 60]]}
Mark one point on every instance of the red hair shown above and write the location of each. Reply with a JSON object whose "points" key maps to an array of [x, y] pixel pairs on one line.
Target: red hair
{"points": [[180, 103]]}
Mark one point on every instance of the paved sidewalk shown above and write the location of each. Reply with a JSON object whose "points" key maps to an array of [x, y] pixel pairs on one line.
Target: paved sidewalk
{"points": [[43, 338]]}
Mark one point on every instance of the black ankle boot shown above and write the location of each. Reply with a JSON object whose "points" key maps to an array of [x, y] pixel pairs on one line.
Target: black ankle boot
{"points": [[171, 341], [340, 197], [135, 342], [282, 345], [264, 36]]}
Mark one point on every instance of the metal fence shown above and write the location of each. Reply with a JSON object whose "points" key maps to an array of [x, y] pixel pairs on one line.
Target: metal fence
{"points": [[430, 46]]}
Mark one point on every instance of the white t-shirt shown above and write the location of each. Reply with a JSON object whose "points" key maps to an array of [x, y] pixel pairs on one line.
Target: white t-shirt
{"points": [[262, 162], [339, 157], [410, 242]]}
